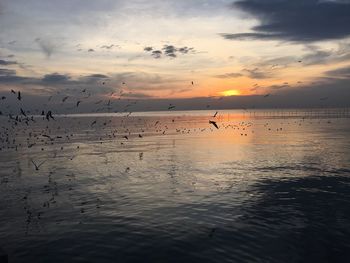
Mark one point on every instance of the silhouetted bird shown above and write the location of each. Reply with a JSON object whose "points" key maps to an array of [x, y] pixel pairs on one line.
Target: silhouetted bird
{"points": [[214, 124], [23, 113], [37, 166]]}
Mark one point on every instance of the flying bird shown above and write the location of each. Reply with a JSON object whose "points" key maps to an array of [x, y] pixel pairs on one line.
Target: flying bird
{"points": [[171, 107], [37, 166], [23, 113], [214, 124]]}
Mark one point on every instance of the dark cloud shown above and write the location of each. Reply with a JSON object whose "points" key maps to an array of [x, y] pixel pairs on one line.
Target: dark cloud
{"points": [[156, 53], [185, 50], [257, 73], [297, 20], [109, 46], [168, 51], [7, 72], [98, 76], [340, 73], [6, 62], [278, 87], [56, 78], [229, 76], [314, 56]]}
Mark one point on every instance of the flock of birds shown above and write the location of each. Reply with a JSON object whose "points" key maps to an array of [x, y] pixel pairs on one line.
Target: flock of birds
{"points": [[59, 136]]}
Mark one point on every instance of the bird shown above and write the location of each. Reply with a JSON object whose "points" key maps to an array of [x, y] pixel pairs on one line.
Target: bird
{"points": [[65, 98], [19, 97], [192, 83], [49, 115], [216, 113], [23, 113], [214, 124], [171, 107], [267, 95], [78, 102], [37, 166]]}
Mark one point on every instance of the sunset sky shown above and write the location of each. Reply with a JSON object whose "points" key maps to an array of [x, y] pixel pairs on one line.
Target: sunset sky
{"points": [[154, 50]]}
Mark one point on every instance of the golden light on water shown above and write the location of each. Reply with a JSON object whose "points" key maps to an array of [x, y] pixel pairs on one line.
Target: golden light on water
{"points": [[232, 92]]}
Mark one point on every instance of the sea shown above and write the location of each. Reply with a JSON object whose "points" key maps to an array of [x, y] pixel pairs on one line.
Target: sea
{"points": [[262, 186]]}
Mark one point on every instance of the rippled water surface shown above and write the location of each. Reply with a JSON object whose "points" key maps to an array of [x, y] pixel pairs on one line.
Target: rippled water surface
{"points": [[173, 188]]}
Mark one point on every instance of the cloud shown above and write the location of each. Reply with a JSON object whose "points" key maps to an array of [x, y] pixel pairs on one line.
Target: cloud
{"points": [[229, 76], [297, 20], [46, 46], [7, 72], [278, 87], [168, 51], [56, 78], [343, 72], [109, 46], [97, 76], [6, 63], [257, 73], [156, 53]]}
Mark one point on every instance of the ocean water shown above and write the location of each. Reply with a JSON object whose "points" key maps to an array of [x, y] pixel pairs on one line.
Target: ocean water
{"points": [[170, 187]]}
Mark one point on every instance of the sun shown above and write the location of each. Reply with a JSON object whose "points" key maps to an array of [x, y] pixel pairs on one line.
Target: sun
{"points": [[231, 92]]}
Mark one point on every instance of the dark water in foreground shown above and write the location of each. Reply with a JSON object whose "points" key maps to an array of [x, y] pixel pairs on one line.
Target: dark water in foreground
{"points": [[256, 190]]}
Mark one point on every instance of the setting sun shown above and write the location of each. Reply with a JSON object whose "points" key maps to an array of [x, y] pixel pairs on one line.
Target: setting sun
{"points": [[232, 92]]}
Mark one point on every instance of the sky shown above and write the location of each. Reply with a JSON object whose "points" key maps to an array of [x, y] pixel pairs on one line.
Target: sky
{"points": [[190, 53]]}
